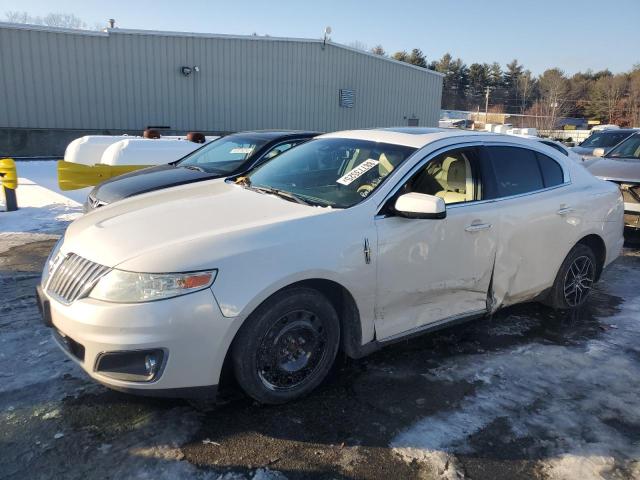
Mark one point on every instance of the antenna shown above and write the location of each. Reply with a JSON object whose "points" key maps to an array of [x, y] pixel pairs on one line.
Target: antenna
{"points": [[327, 32]]}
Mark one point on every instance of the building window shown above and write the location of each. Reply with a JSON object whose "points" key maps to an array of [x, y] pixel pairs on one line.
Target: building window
{"points": [[347, 98], [412, 122]]}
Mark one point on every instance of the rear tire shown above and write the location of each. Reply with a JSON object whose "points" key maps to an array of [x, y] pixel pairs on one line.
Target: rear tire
{"points": [[286, 348], [575, 279]]}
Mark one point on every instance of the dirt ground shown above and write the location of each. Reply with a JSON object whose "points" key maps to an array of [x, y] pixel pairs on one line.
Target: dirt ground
{"points": [[528, 393]]}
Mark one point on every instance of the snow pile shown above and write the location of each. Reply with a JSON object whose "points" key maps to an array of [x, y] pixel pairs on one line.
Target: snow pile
{"points": [[39, 210], [577, 404]]}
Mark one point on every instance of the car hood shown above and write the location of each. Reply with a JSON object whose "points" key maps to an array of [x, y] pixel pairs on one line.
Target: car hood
{"points": [[147, 180], [182, 228], [623, 169], [583, 150]]}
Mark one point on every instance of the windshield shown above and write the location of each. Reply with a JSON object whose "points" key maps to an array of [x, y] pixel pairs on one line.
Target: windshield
{"points": [[604, 139], [336, 172], [225, 155], [627, 149]]}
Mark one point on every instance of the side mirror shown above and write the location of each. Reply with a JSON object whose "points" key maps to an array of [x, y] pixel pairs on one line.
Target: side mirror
{"points": [[420, 205], [598, 152]]}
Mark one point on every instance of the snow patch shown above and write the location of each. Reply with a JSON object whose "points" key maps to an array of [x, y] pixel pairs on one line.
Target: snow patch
{"points": [[39, 210], [577, 404]]}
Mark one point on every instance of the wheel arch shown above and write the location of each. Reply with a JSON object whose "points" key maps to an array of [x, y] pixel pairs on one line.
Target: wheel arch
{"points": [[599, 248], [343, 302]]}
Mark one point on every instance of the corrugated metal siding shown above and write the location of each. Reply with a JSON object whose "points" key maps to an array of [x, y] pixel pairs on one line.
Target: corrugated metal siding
{"points": [[127, 80]]}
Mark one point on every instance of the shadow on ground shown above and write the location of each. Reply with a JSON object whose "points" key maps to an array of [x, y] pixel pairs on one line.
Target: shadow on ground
{"points": [[54, 422]]}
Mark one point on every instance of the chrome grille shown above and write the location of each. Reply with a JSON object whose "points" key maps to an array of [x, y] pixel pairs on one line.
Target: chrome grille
{"points": [[73, 278], [630, 192]]}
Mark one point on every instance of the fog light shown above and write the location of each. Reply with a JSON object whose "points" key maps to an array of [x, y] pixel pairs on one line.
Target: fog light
{"points": [[132, 366], [151, 364]]}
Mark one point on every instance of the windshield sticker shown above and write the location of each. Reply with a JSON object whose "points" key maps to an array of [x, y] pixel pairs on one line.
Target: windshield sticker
{"points": [[357, 172], [243, 150]]}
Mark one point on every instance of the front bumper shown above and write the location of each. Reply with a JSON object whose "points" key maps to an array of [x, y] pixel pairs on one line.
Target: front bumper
{"points": [[190, 330]]}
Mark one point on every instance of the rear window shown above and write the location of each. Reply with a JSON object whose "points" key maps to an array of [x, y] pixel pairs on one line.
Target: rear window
{"points": [[556, 147], [515, 170]]}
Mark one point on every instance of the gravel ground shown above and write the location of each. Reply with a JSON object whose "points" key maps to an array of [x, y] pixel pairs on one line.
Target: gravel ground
{"points": [[528, 393]]}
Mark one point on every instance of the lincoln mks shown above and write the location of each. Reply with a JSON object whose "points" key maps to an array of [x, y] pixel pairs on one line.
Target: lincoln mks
{"points": [[348, 242]]}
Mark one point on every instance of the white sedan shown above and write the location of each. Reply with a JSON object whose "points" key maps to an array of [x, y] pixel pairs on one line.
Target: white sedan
{"points": [[349, 242]]}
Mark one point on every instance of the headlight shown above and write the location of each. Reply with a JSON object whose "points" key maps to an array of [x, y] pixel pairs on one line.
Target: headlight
{"points": [[119, 286], [51, 260]]}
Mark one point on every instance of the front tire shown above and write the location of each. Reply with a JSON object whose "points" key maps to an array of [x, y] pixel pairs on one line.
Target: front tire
{"points": [[575, 279], [287, 346]]}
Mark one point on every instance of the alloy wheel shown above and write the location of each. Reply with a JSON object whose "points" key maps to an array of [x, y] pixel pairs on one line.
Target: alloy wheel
{"points": [[578, 281]]}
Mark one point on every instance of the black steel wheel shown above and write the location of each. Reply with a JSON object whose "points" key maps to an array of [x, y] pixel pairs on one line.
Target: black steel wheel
{"points": [[287, 346]]}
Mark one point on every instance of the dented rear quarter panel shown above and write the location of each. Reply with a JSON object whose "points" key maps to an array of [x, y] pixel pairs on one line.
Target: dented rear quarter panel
{"points": [[534, 239]]}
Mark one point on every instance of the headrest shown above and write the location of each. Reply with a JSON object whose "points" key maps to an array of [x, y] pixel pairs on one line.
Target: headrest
{"points": [[457, 176], [446, 163]]}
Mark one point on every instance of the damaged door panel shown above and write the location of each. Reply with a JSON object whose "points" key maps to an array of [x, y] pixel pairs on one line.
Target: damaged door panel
{"points": [[434, 269], [535, 203]]}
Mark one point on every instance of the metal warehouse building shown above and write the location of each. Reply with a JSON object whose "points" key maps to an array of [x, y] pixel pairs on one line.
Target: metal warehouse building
{"points": [[57, 84]]}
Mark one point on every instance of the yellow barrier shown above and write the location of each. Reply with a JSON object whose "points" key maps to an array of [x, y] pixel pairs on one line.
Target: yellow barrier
{"points": [[72, 176], [8, 173]]}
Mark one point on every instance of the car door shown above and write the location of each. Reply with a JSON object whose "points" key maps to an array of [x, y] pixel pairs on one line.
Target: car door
{"points": [[540, 219], [433, 270]]}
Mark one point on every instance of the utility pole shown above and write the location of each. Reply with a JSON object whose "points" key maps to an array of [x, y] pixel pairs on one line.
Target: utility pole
{"points": [[486, 105]]}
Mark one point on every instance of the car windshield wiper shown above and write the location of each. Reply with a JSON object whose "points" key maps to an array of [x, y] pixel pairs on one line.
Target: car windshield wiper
{"points": [[292, 197]]}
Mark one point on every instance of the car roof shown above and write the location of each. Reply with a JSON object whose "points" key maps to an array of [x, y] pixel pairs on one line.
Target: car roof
{"points": [[618, 130], [276, 134], [416, 137]]}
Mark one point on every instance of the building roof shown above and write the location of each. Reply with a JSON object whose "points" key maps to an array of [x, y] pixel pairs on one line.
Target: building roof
{"points": [[125, 31]]}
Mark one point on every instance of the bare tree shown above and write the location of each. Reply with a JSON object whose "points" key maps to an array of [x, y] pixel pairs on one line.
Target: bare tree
{"points": [[634, 97], [358, 45], [524, 87], [553, 102], [402, 56], [378, 50], [64, 20], [606, 96]]}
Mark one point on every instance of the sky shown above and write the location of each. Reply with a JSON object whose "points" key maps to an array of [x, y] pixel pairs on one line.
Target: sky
{"points": [[569, 34]]}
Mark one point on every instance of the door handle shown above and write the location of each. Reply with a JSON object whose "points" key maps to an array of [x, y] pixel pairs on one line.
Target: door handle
{"points": [[476, 227], [564, 210]]}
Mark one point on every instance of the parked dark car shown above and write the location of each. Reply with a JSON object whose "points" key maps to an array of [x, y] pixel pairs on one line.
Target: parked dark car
{"points": [[604, 139], [229, 155]]}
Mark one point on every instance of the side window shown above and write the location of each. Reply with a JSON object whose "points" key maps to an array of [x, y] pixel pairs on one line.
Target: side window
{"points": [[552, 173], [515, 171], [450, 176]]}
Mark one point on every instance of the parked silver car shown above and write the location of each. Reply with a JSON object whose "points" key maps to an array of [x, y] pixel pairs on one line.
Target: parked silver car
{"points": [[622, 166]]}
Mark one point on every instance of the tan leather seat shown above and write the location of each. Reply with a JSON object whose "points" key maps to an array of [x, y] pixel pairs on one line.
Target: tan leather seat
{"points": [[441, 176], [456, 181]]}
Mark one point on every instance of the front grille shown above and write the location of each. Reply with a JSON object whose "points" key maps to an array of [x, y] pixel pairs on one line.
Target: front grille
{"points": [[74, 277], [630, 192], [92, 203]]}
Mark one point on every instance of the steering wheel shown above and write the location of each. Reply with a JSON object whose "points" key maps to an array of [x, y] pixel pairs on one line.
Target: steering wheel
{"points": [[365, 189]]}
